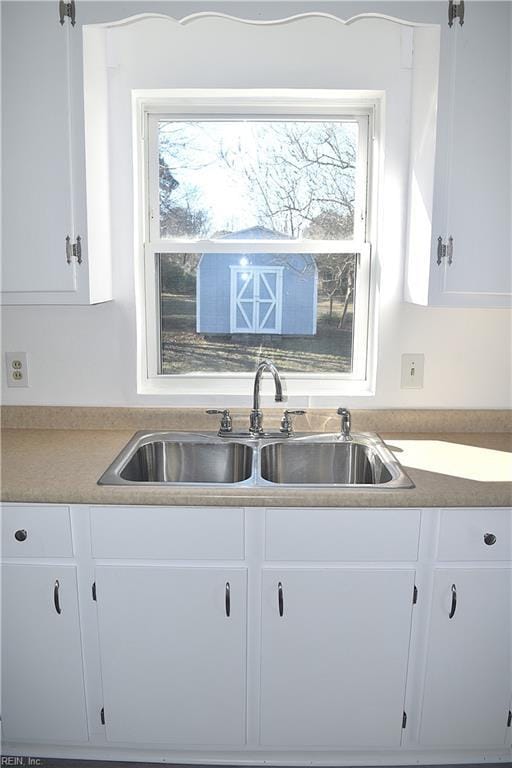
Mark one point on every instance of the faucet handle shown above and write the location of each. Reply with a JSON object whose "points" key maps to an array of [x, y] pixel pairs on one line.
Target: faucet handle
{"points": [[287, 421], [226, 423]]}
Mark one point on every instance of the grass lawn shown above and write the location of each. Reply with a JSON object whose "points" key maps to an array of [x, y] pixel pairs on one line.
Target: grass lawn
{"points": [[185, 351]]}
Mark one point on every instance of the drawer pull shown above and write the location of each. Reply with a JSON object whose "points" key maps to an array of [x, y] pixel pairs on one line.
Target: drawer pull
{"points": [[454, 602], [489, 539], [56, 597], [280, 599], [227, 598], [21, 535]]}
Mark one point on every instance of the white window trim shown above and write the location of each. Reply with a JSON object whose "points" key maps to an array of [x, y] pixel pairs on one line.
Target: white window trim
{"points": [[148, 109]]}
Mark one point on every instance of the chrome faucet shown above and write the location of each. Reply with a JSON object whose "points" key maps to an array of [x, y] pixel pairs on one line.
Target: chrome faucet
{"points": [[345, 424], [256, 417]]}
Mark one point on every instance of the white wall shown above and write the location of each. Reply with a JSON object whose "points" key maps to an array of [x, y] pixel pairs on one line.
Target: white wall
{"points": [[87, 355]]}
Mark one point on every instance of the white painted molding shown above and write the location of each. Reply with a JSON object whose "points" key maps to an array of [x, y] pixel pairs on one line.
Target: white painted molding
{"points": [[186, 20]]}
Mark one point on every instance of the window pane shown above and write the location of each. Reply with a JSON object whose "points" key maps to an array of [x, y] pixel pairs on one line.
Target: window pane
{"points": [[224, 312], [296, 179]]}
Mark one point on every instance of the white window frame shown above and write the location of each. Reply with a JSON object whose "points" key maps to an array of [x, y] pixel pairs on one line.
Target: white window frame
{"points": [[149, 110]]}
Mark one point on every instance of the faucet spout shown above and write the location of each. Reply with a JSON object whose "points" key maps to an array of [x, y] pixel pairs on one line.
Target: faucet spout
{"points": [[266, 365], [256, 421], [346, 420]]}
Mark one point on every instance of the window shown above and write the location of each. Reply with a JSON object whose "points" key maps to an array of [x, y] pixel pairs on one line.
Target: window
{"points": [[256, 239]]}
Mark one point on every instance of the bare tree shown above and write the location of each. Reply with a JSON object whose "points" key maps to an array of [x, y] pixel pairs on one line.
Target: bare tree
{"points": [[178, 216], [337, 276], [303, 183]]}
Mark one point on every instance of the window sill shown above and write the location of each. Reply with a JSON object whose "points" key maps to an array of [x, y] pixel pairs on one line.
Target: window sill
{"points": [[209, 391]]}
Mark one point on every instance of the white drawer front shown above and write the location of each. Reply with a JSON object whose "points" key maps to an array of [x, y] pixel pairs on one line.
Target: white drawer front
{"points": [[36, 531], [168, 533], [475, 534], [330, 534]]}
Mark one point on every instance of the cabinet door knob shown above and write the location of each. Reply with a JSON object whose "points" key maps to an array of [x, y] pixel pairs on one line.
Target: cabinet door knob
{"points": [[227, 599], [454, 602], [489, 539], [21, 535]]}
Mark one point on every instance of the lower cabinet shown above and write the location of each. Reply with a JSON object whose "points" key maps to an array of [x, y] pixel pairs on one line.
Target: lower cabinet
{"points": [[43, 696], [169, 655], [335, 646], [467, 688], [173, 658]]}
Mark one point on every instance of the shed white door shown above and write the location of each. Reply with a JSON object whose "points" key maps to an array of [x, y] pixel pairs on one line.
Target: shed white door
{"points": [[256, 299]]}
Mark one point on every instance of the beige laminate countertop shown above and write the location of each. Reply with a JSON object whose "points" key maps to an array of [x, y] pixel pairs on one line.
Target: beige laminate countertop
{"points": [[448, 469]]}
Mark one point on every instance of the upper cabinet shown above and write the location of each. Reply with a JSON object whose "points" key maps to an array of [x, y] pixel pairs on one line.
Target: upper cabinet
{"points": [[60, 159], [44, 188], [471, 266]]}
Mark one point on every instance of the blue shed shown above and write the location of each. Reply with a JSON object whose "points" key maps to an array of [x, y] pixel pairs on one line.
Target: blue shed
{"points": [[273, 293]]}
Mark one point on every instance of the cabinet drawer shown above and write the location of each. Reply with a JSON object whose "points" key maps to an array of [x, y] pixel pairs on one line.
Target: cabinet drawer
{"points": [[168, 533], [342, 534], [36, 531], [475, 534]]}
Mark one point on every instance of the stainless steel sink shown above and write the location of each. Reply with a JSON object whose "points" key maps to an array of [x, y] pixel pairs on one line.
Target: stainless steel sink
{"points": [[315, 461], [340, 463], [326, 461], [162, 458]]}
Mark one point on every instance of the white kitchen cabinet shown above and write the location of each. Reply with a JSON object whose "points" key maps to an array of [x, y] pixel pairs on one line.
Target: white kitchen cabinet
{"points": [[300, 659], [43, 695], [467, 686], [335, 647], [349, 535], [184, 533], [30, 530], [172, 646], [43, 164], [472, 190]]}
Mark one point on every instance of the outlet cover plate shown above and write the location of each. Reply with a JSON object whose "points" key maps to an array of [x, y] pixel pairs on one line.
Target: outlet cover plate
{"points": [[16, 369]]}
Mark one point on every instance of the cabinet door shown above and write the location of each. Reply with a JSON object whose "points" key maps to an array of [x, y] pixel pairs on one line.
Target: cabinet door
{"points": [[476, 170], [172, 644], [467, 685], [335, 646], [43, 693], [44, 164], [37, 170]]}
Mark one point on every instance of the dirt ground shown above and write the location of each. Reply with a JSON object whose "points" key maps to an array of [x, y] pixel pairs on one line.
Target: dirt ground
{"points": [[185, 351]]}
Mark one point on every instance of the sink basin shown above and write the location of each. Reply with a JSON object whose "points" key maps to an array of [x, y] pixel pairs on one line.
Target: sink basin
{"points": [[162, 459], [338, 463], [316, 461]]}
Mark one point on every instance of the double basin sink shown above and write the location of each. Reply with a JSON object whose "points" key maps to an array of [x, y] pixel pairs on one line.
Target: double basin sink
{"points": [[321, 461]]}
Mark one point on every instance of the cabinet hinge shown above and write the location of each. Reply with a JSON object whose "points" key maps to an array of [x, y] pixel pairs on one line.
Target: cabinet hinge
{"points": [[74, 250], [67, 10], [509, 719], [444, 250], [102, 716], [415, 595], [455, 11], [93, 590], [404, 720]]}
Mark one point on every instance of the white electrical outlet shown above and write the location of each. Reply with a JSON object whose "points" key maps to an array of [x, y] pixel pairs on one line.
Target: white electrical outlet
{"points": [[16, 368], [412, 371]]}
